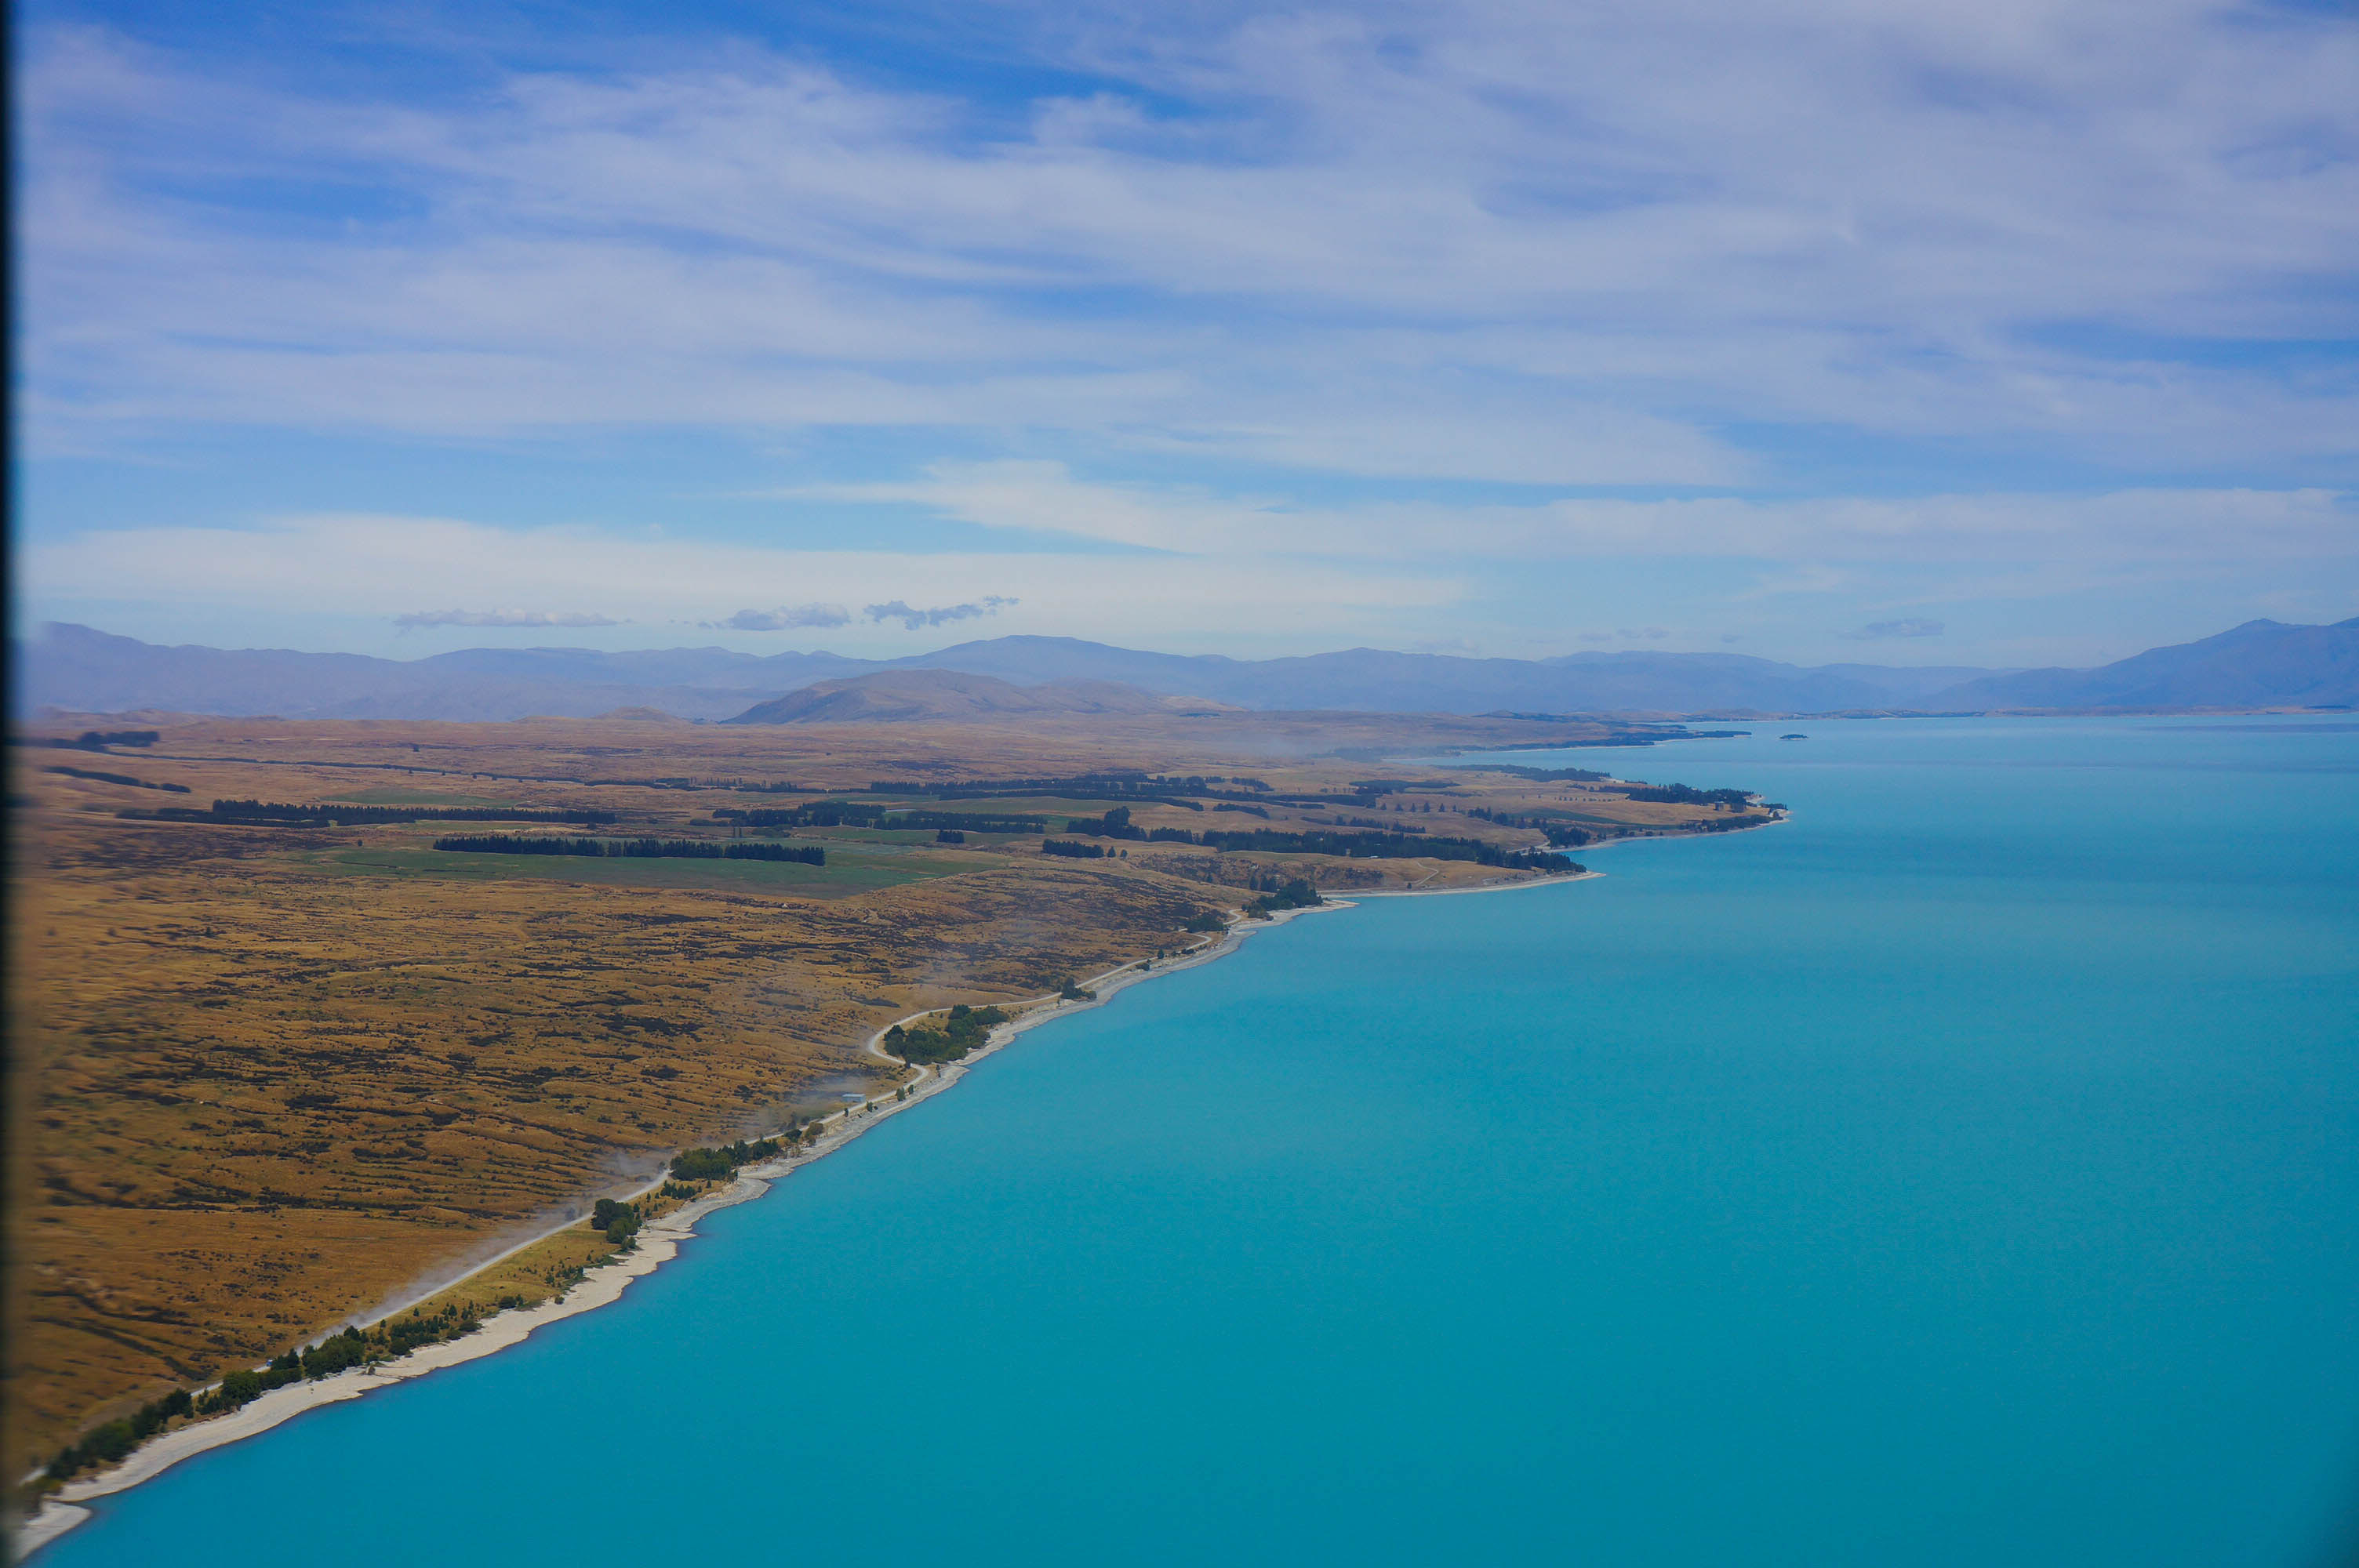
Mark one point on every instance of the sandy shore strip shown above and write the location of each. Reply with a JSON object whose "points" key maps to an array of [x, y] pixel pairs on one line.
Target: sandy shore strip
{"points": [[659, 1240]]}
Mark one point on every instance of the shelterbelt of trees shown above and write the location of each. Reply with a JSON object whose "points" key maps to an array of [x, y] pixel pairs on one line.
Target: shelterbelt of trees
{"points": [[1080, 787], [1381, 844], [962, 1030], [1680, 794], [861, 813], [98, 740], [127, 780], [1296, 894], [715, 1164], [112, 1441]]}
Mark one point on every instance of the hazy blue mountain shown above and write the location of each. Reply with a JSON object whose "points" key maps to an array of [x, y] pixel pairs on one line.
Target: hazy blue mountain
{"points": [[2262, 664], [1908, 684], [906, 695], [1030, 661], [721, 667], [76, 668], [1372, 680]]}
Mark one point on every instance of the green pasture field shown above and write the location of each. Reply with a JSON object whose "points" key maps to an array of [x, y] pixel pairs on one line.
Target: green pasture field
{"points": [[910, 836], [1014, 805], [843, 875], [880, 837]]}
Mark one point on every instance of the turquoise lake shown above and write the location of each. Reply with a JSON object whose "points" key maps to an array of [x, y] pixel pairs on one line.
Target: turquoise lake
{"points": [[1965, 1173]]}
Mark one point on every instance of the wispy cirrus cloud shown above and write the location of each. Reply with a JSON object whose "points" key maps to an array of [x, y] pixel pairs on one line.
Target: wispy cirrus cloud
{"points": [[1036, 495]]}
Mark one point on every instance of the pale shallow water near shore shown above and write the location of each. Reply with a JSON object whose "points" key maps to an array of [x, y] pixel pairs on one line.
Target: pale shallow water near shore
{"points": [[1962, 1173]]}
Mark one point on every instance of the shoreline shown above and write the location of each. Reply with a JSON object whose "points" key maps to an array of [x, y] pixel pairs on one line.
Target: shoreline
{"points": [[658, 1241], [1782, 819], [1352, 897]]}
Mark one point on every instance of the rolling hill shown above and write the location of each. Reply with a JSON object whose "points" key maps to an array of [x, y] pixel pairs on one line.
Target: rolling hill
{"points": [[917, 696]]}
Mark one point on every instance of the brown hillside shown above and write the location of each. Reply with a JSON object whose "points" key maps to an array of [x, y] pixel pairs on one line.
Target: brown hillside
{"points": [[904, 697]]}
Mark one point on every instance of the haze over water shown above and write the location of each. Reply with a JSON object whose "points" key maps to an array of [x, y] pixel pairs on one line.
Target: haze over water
{"points": [[1962, 1173]]}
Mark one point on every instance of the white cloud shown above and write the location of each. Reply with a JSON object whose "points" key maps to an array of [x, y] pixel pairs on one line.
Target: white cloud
{"points": [[1883, 630], [1552, 244], [1039, 495], [1553, 247], [2180, 525]]}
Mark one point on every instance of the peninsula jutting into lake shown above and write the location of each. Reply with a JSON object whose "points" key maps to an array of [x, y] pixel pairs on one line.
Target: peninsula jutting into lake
{"points": [[381, 1182]]}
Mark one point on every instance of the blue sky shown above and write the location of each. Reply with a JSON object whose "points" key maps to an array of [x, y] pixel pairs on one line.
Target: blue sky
{"points": [[2022, 332]]}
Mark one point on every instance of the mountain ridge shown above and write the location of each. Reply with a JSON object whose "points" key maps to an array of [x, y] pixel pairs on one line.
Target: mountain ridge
{"points": [[77, 668], [924, 695], [2261, 663]]}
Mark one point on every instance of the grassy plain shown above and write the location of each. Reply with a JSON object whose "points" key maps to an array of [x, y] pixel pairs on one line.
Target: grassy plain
{"points": [[267, 1078], [416, 797]]}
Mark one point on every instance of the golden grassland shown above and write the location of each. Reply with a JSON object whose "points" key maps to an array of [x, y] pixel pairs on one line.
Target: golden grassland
{"points": [[267, 1077]]}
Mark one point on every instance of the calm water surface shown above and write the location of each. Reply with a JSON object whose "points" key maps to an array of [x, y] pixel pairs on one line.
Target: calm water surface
{"points": [[1962, 1174]]}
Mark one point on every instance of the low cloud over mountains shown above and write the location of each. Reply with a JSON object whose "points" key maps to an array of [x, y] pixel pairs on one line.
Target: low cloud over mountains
{"points": [[940, 615]]}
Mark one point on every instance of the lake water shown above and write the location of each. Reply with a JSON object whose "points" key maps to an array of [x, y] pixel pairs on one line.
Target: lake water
{"points": [[1966, 1172]]}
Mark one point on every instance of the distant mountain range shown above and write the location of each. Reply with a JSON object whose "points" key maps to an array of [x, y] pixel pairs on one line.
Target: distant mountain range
{"points": [[2262, 664]]}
